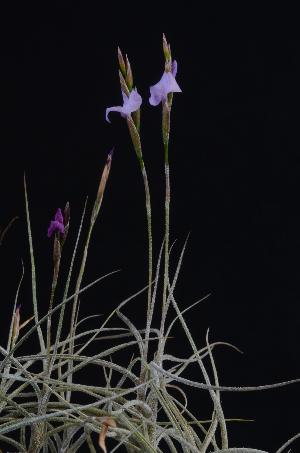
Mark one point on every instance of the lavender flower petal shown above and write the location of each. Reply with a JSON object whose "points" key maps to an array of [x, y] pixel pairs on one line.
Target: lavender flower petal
{"points": [[166, 85], [59, 217], [119, 109], [134, 101], [131, 103], [57, 224]]}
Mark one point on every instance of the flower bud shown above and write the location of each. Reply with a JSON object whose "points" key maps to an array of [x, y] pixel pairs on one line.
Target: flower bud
{"points": [[16, 324]]}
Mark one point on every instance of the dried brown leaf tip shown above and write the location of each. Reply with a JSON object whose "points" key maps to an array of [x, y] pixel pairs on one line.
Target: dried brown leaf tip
{"points": [[16, 324], [108, 422]]}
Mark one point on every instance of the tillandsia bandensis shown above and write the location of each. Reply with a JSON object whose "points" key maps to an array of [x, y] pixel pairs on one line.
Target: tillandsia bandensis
{"points": [[143, 405]]}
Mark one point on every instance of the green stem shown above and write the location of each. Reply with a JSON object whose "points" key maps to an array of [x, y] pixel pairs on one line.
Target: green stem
{"points": [[167, 236], [165, 303], [165, 133], [150, 257], [136, 140], [150, 305]]}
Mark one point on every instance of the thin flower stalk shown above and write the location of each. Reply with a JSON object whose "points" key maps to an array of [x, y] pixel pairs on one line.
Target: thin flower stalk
{"points": [[62, 311], [60, 226], [131, 111], [162, 92], [166, 110], [57, 227], [135, 137]]}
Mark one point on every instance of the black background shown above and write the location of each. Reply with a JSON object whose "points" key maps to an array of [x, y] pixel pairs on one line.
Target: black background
{"points": [[234, 175]]}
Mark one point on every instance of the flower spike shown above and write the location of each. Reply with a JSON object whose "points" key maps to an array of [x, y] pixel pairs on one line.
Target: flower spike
{"points": [[166, 49]]}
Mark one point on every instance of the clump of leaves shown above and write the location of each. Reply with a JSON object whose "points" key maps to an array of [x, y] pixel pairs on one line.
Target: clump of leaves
{"points": [[142, 405]]}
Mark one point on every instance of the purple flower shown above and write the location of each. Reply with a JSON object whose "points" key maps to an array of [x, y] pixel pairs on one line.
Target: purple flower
{"points": [[131, 103], [57, 224], [166, 85]]}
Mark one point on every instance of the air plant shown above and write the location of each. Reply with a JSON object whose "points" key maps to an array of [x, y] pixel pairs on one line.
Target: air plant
{"points": [[142, 405]]}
